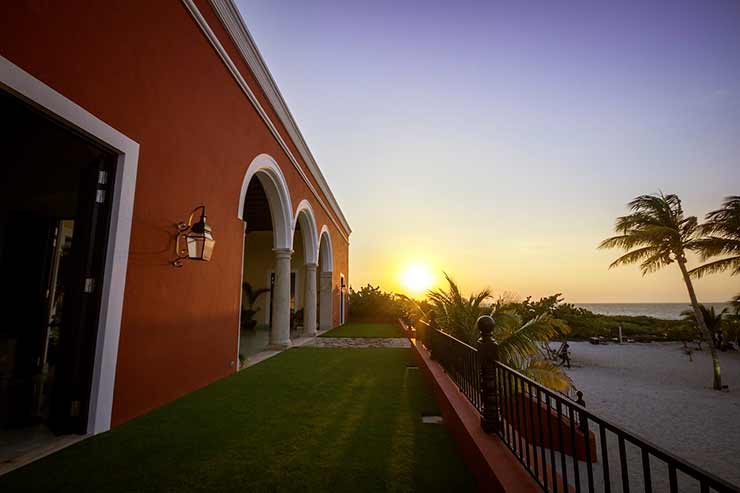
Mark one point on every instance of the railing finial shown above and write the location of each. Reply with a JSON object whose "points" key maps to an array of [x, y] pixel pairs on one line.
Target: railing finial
{"points": [[485, 325]]}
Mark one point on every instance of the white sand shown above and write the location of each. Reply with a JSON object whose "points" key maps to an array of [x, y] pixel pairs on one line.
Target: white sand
{"points": [[654, 391]]}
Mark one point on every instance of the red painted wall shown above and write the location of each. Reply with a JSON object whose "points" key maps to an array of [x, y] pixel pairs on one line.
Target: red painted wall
{"points": [[146, 69]]}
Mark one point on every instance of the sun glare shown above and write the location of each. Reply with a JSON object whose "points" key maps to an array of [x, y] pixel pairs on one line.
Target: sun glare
{"points": [[417, 278]]}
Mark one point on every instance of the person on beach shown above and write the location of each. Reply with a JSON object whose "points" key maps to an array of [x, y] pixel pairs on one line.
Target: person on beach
{"points": [[565, 355]]}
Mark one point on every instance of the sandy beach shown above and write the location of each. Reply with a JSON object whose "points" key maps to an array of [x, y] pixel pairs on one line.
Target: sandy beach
{"points": [[656, 392]]}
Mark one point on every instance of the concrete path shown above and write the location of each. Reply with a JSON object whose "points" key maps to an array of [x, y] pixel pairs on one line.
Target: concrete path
{"points": [[358, 342]]}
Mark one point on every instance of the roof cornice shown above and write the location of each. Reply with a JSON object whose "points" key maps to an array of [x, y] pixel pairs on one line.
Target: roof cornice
{"points": [[232, 20]]}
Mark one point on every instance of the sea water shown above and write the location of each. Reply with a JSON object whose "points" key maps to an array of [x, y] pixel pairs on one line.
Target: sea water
{"points": [[665, 311]]}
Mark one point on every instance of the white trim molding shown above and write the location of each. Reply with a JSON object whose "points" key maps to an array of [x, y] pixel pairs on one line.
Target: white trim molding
{"points": [[234, 24], [27, 87], [304, 214], [271, 177]]}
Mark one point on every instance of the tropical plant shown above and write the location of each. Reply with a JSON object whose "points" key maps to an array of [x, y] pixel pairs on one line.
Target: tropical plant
{"points": [[521, 345], [656, 234], [296, 318], [457, 314], [721, 238], [714, 321], [411, 310], [250, 297], [518, 341]]}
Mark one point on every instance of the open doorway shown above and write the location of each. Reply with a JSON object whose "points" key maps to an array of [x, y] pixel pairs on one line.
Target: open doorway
{"points": [[55, 189], [258, 275]]}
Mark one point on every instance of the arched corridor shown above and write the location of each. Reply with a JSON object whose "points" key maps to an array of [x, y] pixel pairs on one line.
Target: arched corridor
{"points": [[288, 264]]}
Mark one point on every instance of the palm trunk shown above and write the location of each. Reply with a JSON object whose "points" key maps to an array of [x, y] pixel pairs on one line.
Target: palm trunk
{"points": [[717, 384]]}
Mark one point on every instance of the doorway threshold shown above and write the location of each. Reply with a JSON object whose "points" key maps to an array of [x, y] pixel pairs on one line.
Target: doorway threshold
{"points": [[40, 448]]}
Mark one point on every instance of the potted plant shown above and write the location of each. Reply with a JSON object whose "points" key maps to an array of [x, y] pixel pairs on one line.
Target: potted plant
{"points": [[296, 319], [251, 296]]}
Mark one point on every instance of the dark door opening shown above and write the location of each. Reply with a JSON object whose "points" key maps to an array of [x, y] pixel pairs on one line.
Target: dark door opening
{"points": [[342, 289], [55, 188]]}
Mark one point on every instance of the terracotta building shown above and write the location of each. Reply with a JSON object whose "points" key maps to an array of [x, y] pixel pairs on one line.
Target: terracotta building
{"points": [[120, 120]]}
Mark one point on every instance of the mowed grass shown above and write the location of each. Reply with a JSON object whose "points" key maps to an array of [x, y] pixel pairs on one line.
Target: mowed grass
{"points": [[366, 330], [309, 419]]}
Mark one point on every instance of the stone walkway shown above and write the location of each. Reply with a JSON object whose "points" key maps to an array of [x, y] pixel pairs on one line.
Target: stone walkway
{"points": [[358, 342]]}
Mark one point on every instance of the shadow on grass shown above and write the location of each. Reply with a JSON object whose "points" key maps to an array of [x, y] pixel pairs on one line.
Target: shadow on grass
{"points": [[306, 420]]}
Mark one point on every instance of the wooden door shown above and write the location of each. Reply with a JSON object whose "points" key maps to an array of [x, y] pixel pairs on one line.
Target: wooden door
{"points": [[83, 282]]}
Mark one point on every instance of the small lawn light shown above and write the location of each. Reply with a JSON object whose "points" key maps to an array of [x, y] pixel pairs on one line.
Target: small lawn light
{"points": [[198, 239]]}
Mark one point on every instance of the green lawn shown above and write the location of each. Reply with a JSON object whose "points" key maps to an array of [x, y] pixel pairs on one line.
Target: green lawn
{"points": [[366, 330], [309, 419]]}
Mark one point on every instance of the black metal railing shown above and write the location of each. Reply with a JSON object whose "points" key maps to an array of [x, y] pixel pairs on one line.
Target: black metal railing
{"points": [[461, 363], [562, 445]]}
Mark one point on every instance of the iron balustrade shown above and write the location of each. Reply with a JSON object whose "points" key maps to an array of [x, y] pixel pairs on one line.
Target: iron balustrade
{"points": [[461, 363], [563, 445]]}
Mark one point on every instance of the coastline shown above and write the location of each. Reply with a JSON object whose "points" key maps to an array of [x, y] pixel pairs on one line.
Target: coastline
{"points": [[660, 311]]}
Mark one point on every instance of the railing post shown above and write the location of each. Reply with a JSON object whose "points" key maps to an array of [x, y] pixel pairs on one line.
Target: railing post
{"points": [[430, 337], [488, 352]]}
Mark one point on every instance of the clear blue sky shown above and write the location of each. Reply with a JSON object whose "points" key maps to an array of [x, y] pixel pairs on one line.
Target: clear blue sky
{"points": [[499, 140]]}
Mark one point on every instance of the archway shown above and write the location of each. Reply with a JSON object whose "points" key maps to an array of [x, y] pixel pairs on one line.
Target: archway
{"points": [[304, 264], [265, 208], [326, 269]]}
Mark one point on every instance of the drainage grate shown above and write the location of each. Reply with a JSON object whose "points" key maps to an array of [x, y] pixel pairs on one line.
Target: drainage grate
{"points": [[432, 420]]}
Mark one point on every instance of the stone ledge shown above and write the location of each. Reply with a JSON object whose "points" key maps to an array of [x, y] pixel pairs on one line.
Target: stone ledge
{"points": [[492, 463]]}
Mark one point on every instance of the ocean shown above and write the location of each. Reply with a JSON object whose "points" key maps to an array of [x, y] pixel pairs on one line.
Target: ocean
{"points": [[665, 311]]}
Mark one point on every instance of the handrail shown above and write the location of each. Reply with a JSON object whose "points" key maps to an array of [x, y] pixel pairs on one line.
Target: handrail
{"points": [[535, 422]]}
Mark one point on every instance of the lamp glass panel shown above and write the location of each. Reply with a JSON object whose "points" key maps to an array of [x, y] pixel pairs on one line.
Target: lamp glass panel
{"points": [[208, 244], [195, 246]]}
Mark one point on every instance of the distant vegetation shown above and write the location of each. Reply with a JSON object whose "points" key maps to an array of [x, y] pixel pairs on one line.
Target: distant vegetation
{"points": [[372, 304]]}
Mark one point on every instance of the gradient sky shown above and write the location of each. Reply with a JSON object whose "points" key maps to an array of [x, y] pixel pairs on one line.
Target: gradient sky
{"points": [[500, 140]]}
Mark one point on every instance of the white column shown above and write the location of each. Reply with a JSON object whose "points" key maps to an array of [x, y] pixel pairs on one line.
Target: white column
{"points": [[309, 301], [327, 309], [280, 333]]}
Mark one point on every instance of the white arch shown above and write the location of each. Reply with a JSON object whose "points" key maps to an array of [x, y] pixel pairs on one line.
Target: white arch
{"points": [[273, 181], [326, 251], [304, 214]]}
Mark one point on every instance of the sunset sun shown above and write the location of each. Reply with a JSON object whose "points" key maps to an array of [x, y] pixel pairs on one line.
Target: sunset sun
{"points": [[417, 278]]}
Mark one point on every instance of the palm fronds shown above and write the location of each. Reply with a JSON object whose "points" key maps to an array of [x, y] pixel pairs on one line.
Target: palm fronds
{"points": [[457, 313], [519, 342], [721, 238], [547, 373], [655, 233], [713, 319], [735, 303]]}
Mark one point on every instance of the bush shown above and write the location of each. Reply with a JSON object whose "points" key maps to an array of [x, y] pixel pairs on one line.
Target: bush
{"points": [[370, 304]]}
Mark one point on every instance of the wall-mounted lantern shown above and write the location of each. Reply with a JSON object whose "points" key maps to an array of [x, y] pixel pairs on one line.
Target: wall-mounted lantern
{"points": [[194, 241]]}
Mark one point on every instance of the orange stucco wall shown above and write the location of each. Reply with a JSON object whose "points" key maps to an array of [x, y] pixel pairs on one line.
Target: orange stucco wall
{"points": [[146, 69]]}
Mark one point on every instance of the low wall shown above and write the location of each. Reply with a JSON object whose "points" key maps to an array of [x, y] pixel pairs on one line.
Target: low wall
{"points": [[492, 463]]}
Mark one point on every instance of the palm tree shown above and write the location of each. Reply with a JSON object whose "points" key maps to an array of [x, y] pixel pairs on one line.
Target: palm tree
{"points": [[656, 234], [735, 304], [457, 314], [520, 346], [518, 342], [721, 238], [713, 320], [251, 296]]}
